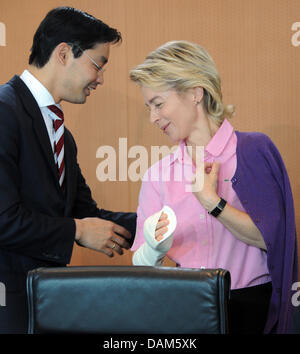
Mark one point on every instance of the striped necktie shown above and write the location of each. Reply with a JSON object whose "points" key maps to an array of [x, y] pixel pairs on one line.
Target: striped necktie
{"points": [[58, 124]]}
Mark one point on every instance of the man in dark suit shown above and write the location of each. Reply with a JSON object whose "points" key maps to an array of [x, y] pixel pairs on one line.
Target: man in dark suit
{"points": [[45, 204]]}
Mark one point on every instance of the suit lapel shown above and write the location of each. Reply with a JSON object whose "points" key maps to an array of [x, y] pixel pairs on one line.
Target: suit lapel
{"points": [[33, 110], [70, 175]]}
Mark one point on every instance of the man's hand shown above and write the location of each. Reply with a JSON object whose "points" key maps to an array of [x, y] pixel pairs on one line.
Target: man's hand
{"points": [[101, 235]]}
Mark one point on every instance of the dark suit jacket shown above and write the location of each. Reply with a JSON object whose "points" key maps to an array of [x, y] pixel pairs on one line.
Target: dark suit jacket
{"points": [[37, 225]]}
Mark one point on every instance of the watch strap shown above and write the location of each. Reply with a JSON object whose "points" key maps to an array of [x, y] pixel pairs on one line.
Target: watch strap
{"points": [[219, 208]]}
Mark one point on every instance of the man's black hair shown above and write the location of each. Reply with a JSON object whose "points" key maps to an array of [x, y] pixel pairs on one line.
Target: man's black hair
{"points": [[75, 27]]}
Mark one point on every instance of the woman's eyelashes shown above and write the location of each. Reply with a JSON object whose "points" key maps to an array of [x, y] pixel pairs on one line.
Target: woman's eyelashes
{"points": [[156, 106]]}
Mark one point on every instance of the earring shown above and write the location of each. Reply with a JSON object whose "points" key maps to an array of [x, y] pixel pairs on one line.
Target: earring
{"points": [[195, 101]]}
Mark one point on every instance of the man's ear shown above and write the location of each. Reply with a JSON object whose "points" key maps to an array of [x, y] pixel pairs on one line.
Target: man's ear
{"points": [[62, 53]]}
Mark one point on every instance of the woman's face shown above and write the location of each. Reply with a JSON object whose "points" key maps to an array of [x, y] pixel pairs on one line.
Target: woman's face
{"points": [[175, 114]]}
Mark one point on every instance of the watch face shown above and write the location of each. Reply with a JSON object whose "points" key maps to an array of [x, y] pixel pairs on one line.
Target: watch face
{"points": [[222, 204], [216, 211], [218, 208]]}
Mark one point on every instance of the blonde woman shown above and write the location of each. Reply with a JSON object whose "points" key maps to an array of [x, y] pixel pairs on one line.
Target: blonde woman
{"points": [[242, 219]]}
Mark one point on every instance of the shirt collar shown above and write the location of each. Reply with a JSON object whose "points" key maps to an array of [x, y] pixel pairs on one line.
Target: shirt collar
{"points": [[215, 147], [219, 141], [42, 96]]}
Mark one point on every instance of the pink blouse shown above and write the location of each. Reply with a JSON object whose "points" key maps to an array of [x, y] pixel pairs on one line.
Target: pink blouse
{"points": [[200, 240]]}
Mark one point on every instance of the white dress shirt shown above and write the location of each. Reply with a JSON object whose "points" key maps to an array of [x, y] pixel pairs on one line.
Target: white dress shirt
{"points": [[43, 98]]}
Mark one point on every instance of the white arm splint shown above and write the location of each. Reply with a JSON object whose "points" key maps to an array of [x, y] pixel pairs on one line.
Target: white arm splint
{"points": [[152, 252]]}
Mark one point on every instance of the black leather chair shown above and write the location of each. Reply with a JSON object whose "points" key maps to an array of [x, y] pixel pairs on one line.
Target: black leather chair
{"points": [[125, 299]]}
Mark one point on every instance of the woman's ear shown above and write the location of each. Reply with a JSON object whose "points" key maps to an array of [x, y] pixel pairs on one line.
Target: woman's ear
{"points": [[198, 94]]}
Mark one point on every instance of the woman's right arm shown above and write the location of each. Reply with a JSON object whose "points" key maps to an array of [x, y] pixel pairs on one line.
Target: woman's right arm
{"points": [[149, 204], [153, 251]]}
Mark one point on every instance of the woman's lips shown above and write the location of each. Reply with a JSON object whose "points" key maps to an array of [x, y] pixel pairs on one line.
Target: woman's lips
{"points": [[165, 127]]}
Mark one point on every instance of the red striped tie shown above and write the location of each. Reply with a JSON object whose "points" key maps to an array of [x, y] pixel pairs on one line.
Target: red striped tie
{"points": [[58, 125]]}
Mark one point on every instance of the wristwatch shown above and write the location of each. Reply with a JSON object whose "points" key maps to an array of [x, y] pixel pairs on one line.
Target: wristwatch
{"points": [[219, 208]]}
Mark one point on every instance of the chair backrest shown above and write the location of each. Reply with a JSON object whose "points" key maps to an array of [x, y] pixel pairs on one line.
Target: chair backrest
{"points": [[125, 299]]}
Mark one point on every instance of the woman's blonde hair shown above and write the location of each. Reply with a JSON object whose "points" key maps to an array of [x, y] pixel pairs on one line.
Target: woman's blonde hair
{"points": [[182, 65]]}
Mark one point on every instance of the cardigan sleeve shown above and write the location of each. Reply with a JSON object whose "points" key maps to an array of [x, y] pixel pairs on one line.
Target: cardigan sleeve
{"points": [[262, 185]]}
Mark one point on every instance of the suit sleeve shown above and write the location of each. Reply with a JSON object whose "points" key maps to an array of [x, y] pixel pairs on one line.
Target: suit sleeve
{"points": [[85, 206], [22, 230]]}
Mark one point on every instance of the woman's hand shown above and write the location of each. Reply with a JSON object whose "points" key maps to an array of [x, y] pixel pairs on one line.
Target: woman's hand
{"points": [[236, 221], [152, 252], [161, 227], [207, 195]]}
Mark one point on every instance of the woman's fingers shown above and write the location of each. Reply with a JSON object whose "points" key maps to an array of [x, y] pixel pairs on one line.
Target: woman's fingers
{"points": [[159, 234], [161, 227], [162, 221]]}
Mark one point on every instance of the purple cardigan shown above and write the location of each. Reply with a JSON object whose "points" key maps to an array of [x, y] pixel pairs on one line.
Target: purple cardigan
{"points": [[262, 185]]}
